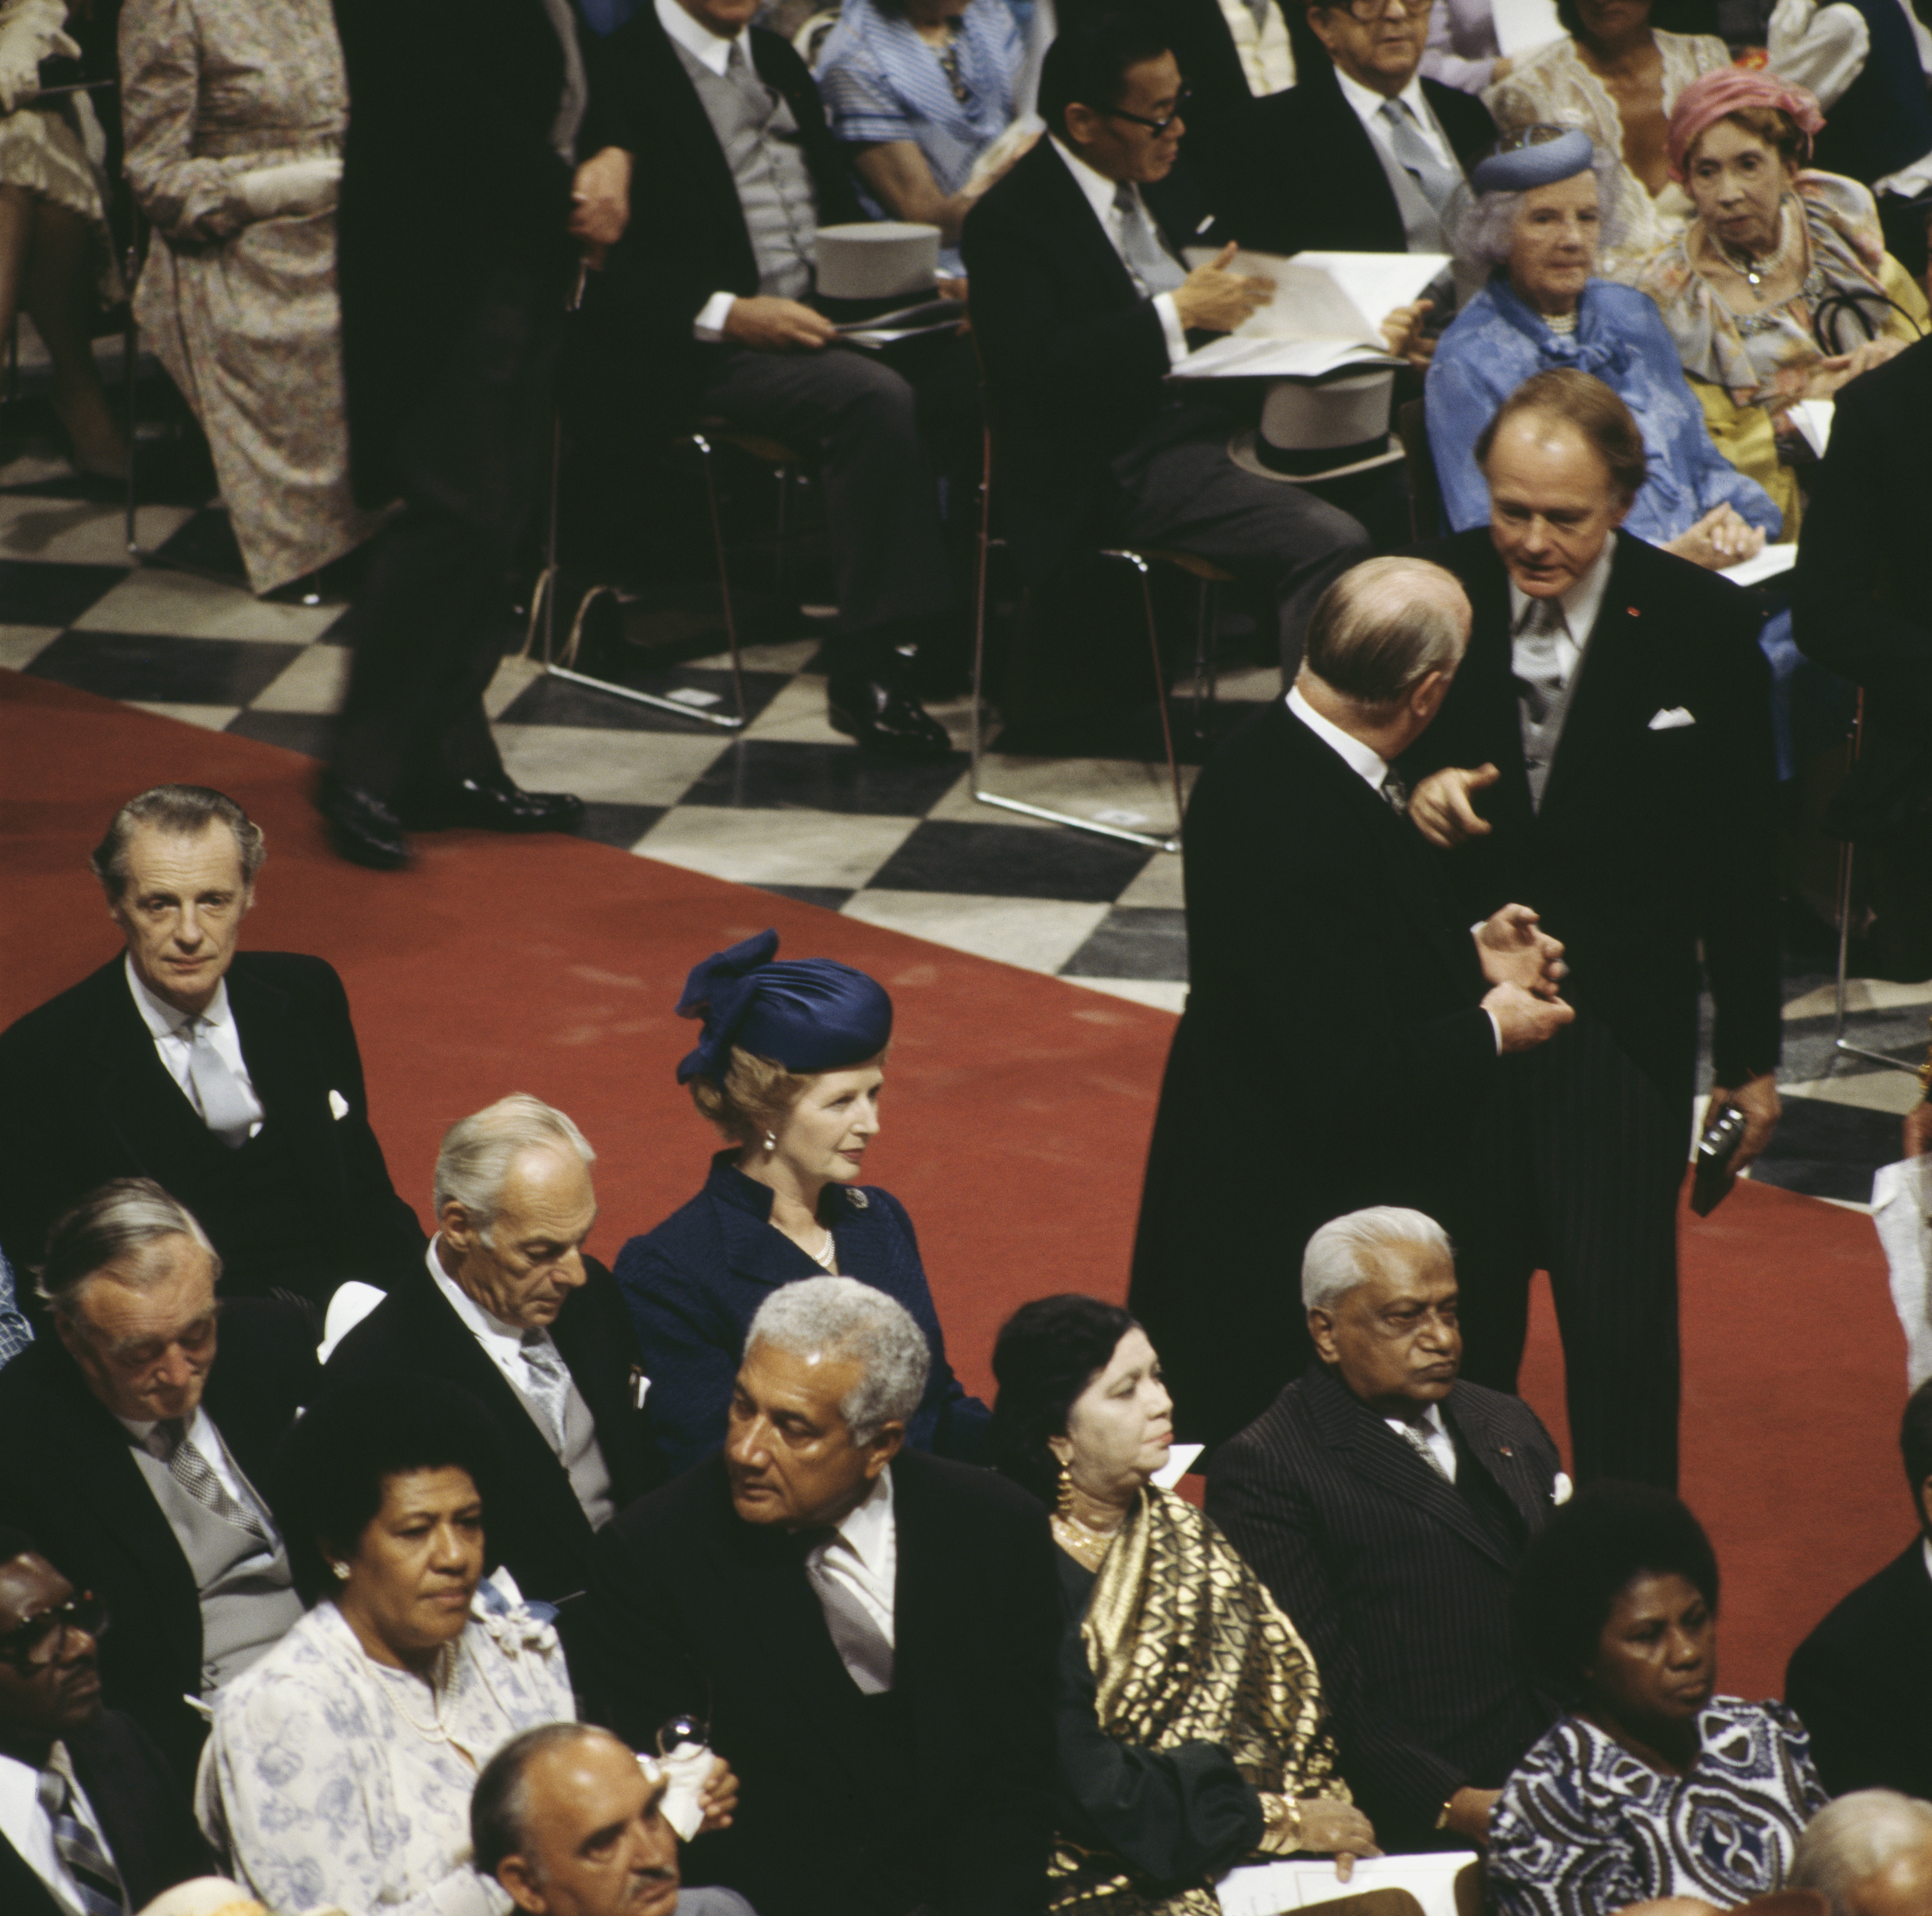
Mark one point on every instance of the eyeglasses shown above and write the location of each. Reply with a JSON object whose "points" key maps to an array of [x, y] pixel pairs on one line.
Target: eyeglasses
{"points": [[1370, 11], [1156, 126], [40, 1639]]}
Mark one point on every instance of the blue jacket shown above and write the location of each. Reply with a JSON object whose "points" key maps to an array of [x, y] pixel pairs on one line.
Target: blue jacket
{"points": [[695, 1284], [1496, 342]]}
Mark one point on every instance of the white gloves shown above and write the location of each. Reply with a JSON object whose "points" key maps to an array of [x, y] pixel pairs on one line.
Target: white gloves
{"points": [[297, 187], [30, 31]]}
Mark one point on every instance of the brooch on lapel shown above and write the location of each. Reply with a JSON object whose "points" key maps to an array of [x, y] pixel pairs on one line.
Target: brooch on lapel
{"points": [[859, 1200], [1633, 612]]}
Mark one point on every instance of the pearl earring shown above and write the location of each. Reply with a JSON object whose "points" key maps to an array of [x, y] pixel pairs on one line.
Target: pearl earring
{"points": [[341, 1572], [771, 1141]]}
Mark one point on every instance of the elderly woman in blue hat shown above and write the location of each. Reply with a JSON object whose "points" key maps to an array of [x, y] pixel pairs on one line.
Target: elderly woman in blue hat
{"points": [[1533, 221], [788, 1067]]}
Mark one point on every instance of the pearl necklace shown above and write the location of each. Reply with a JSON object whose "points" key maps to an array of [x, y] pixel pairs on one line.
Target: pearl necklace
{"points": [[1560, 322], [826, 1255], [1754, 272], [434, 1731]]}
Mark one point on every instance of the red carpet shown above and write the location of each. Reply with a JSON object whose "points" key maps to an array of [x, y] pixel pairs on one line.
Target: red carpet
{"points": [[1018, 1112]]}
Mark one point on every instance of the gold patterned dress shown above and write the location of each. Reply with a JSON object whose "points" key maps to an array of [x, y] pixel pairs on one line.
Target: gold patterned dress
{"points": [[242, 310], [1183, 1691]]}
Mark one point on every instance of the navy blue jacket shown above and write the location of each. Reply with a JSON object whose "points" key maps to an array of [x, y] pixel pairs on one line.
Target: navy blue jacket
{"points": [[695, 1284]]}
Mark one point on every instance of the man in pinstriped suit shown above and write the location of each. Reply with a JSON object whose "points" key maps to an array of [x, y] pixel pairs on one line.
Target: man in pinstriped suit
{"points": [[1385, 1505]]}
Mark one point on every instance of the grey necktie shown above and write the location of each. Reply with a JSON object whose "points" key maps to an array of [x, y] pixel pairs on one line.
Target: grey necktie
{"points": [[168, 1441], [1537, 657], [1156, 270], [1417, 158], [743, 75], [102, 1892], [856, 1635], [549, 1385], [229, 1107], [1420, 1444], [1393, 792]]}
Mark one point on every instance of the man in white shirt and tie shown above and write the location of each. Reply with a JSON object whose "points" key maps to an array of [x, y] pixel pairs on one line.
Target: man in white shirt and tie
{"points": [[505, 1304], [233, 1078], [91, 1823], [1607, 748]]}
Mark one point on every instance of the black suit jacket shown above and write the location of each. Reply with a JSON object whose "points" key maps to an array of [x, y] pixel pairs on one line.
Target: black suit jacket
{"points": [[1328, 964], [68, 1478], [1313, 180], [1401, 1593], [938, 1794], [1075, 360], [143, 1811], [687, 239], [89, 1099], [1648, 842], [536, 1527], [1861, 1683], [1861, 596]]}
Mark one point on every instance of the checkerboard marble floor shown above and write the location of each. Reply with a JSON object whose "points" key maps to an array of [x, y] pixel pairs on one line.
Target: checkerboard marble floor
{"points": [[788, 805]]}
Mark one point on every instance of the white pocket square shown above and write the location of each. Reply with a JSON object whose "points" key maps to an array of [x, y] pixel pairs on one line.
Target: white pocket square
{"points": [[1560, 1490], [1668, 721], [338, 1106]]}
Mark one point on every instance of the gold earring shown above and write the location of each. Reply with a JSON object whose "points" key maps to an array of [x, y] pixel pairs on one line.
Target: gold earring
{"points": [[1063, 1503]]}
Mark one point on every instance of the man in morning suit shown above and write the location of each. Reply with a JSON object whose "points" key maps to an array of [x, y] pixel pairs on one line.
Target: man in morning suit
{"points": [[870, 1632], [710, 289], [1081, 305], [1862, 605], [1606, 750], [505, 1304], [231, 1079], [1386, 1503], [1362, 156], [91, 1820], [1326, 964], [1861, 1681], [133, 1455]]}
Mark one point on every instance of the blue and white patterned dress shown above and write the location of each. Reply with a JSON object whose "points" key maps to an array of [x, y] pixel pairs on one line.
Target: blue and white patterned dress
{"points": [[1584, 1828], [320, 1787]]}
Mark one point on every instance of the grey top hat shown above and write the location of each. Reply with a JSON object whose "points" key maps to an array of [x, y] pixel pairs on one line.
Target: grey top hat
{"points": [[1323, 428], [876, 259]]}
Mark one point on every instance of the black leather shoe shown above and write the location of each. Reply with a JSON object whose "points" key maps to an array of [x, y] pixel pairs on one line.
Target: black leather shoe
{"points": [[362, 829], [493, 803], [885, 719]]}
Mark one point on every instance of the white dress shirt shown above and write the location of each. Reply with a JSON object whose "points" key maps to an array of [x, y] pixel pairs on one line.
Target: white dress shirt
{"points": [[502, 1343], [174, 1040], [1434, 1432], [1099, 191], [1581, 604], [863, 1556], [1369, 104], [712, 50], [1369, 765], [28, 1826], [201, 1433]]}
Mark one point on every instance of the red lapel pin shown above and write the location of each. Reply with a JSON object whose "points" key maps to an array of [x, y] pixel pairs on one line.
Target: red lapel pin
{"points": [[1505, 1450]]}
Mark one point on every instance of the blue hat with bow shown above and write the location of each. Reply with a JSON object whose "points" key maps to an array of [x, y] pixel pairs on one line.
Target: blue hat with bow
{"points": [[808, 1014]]}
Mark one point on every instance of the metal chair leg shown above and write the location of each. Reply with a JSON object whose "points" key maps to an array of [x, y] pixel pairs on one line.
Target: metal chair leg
{"points": [[784, 476], [1205, 603]]}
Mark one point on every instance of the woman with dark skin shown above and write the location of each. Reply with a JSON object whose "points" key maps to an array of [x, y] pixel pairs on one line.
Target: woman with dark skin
{"points": [[1617, 1805]]}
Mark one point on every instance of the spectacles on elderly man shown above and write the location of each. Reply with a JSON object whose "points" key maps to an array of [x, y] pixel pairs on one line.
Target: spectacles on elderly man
{"points": [[1155, 127], [1370, 11], [40, 1639]]}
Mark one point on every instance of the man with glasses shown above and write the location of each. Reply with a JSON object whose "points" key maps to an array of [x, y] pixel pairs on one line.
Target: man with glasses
{"points": [[1362, 156], [91, 1823], [134, 1456], [1081, 306]]}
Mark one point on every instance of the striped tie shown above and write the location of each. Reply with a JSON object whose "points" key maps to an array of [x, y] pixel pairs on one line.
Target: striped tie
{"points": [[90, 1865], [1420, 1445], [549, 1383], [189, 1468]]}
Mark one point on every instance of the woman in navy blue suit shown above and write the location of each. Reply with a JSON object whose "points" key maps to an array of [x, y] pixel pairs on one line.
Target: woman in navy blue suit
{"points": [[788, 1067]]}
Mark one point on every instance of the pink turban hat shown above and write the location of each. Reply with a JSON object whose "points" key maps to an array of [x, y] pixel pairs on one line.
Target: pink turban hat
{"points": [[1730, 90]]}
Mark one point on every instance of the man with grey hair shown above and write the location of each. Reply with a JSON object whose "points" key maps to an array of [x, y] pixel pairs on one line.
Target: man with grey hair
{"points": [[231, 1077], [1385, 1504], [1341, 1017], [869, 1632], [132, 1443], [505, 1304], [1869, 1853]]}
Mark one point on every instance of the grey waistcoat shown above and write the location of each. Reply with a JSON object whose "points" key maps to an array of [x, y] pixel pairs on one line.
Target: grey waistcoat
{"points": [[768, 168], [248, 1602]]}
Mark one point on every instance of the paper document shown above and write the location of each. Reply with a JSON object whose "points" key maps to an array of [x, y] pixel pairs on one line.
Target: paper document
{"points": [[1772, 561], [1902, 1213], [1522, 25], [1179, 1462], [1267, 1889], [1329, 305], [1813, 418]]}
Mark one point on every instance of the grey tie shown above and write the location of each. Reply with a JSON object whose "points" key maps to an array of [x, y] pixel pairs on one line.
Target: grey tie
{"points": [[1156, 270], [102, 1892], [860, 1643], [1536, 657], [1417, 158], [168, 1441], [743, 75], [549, 1385], [228, 1107], [1393, 792], [1416, 1442]]}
